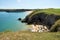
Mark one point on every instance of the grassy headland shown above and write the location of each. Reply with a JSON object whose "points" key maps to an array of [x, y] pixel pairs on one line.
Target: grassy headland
{"points": [[47, 11]]}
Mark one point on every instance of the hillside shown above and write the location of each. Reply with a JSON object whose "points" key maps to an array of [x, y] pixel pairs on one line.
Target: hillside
{"points": [[47, 11], [26, 35]]}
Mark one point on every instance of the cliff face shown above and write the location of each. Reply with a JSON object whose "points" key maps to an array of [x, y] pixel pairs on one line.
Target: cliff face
{"points": [[42, 19]]}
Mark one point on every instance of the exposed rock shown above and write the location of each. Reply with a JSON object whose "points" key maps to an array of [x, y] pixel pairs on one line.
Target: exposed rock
{"points": [[39, 28], [41, 19]]}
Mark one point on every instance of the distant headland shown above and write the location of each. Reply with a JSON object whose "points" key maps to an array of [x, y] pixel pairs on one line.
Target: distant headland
{"points": [[15, 10]]}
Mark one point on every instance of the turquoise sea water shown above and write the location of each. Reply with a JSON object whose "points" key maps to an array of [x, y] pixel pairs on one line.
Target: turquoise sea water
{"points": [[9, 21]]}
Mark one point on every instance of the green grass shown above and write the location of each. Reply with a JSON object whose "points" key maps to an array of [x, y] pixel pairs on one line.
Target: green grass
{"points": [[26, 35], [47, 11]]}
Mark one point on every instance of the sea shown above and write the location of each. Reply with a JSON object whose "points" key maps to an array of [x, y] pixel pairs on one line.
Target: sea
{"points": [[9, 21]]}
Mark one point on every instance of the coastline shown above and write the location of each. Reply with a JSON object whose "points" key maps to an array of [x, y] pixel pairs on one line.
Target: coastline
{"points": [[28, 12]]}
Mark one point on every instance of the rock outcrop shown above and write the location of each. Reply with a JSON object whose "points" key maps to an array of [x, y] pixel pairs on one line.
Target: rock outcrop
{"points": [[41, 19]]}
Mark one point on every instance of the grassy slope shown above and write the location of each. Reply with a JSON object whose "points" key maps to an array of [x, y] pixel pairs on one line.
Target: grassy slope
{"points": [[47, 11], [25, 35]]}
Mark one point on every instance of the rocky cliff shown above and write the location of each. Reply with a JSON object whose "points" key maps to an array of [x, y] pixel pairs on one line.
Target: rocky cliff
{"points": [[41, 18]]}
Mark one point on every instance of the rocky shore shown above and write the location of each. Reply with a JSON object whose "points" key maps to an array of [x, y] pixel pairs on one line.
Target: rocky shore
{"points": [[39, 28]]}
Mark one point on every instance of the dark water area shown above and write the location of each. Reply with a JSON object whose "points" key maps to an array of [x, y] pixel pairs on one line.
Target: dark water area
{"points": [[9, 21]]}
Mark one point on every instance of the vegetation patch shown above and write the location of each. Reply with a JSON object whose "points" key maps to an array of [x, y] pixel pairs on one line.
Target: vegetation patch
{"points": [[26, 35]]}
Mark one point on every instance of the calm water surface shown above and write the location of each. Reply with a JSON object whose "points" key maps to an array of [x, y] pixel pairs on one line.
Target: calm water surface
{"points": [[9, 21]]}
